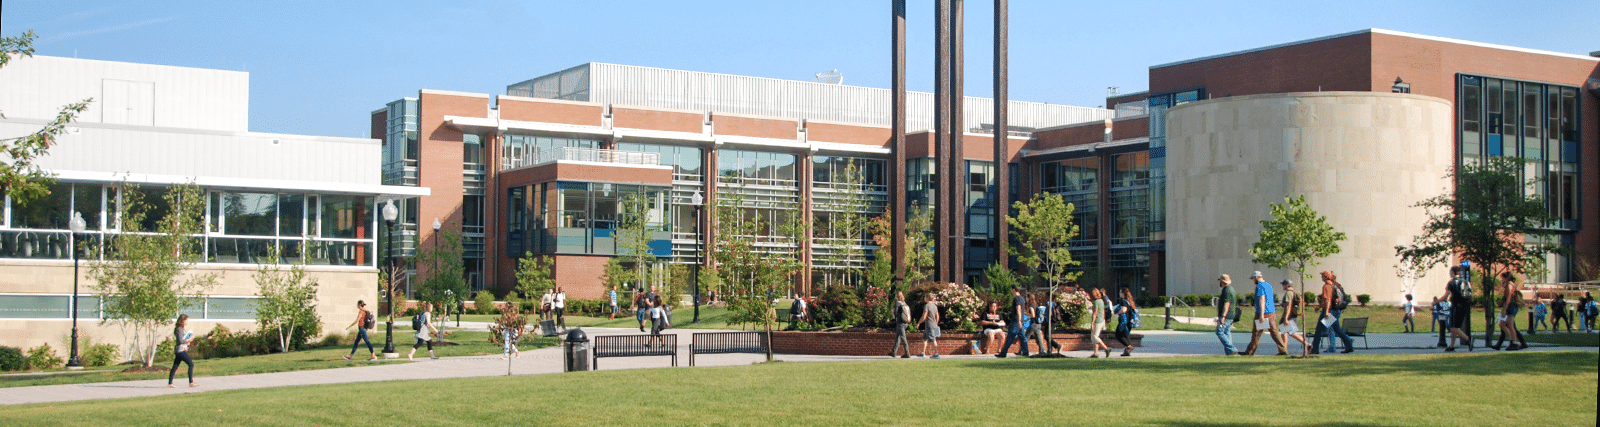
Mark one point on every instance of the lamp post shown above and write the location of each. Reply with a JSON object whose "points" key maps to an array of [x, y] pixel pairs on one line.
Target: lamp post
{"points": [[389, 215], [436, 226], [698, 201], [77, 225]]}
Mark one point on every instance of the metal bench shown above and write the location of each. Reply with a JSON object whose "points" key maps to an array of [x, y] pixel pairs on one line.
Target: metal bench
{"points": [[730, 342], [1356, 327], [635, 345]]}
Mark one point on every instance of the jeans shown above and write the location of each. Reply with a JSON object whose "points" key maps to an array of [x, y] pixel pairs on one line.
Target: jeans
{"points": [[1338, 331], [1015, 334], [1411, 325], [900, 340], [361, 335], [1225, 334], [177, 359]]}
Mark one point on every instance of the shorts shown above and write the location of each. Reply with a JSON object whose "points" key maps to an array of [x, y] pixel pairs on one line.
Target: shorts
{"points": [[1458, 318], [613, 309], [639, 314], [1513, 311], [930, 333], [1288, 328]]}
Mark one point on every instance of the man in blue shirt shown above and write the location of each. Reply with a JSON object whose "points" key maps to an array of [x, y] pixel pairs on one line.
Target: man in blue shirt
{"points": [[1266, 305]]}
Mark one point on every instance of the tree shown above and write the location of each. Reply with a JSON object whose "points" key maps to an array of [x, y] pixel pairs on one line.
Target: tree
{"points": [[615, 274], [919, 243], [20, 178], [634, 233], [534, 275], [842, 221], [288, 299], [140, 274], [1043, 227], [1490, 221], [753, 272], [919, 260], [1001, 279], [1295, 238], [446, 282]]}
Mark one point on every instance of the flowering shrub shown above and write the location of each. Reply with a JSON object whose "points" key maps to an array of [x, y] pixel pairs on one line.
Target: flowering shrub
{"points": [[1075, 308], [838, 306], [877, 305], [959, 307]]}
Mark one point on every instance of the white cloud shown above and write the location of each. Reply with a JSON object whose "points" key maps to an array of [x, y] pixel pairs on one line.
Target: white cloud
{"points": [[114, 28]]}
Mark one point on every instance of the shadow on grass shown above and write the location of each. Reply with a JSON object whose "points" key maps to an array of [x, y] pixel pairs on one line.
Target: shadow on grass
{"points": [[1191, 423], [1553, 362]]}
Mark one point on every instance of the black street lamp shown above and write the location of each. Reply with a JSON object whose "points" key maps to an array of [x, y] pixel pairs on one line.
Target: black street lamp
{"points": [[389, 215], [698, 201], [436, 226], [77, 225]]}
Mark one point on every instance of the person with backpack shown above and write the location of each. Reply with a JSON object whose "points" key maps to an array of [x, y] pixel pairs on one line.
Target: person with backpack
{"points": [[1333, 301], [1097, 324], [1042, 311], [641, 307], [797, 311], [1540, 312], [902, 316], [1265, 307], [1019, 323], [1227, 313], [1590, 311], [1508, 314], [1294, 306], [365, 320], [1559, 307], [423, 324], [1129, 319], [1457, 293]]}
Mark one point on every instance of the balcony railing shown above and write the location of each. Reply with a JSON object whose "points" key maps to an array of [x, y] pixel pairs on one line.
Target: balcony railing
{"points": [[577, 154]]}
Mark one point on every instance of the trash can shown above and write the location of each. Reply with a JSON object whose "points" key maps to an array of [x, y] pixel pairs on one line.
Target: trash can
{"points": [[547, 327], [577, 351]]}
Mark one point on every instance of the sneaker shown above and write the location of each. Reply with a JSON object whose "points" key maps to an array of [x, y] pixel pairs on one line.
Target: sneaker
{"points": [[1096, 355], [1000, 356], [1231, 354], [905, 356], [372, 358], [922, 355], [891, 354], [1347, 351], [934, 357], [1450, 349], [346, 357]]}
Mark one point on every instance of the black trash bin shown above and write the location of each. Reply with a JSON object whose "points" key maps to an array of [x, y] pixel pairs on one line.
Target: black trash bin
{"points": [[577, 351], [548, 328]]}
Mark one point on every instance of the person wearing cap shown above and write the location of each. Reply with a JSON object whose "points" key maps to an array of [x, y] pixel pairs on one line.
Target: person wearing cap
{"points": [[1266, 305], [1227, 313], [1289, 324]]}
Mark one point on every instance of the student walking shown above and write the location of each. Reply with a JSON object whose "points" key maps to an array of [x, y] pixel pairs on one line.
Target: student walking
{"points": [[1333, 301], [180, 352], [1227, 313], [425, 331], [1125, 309], [1293, 309], [1540, 310], [366, 321], [1410, 308], [658, 321], [1097, 324], [930, 326], [1018, 325], [902, 316], [509, 336], [1559, 306], [560, 304], [1460, 307], [1508, 314], [1042, 308], [613, 303], [1265, 307]]}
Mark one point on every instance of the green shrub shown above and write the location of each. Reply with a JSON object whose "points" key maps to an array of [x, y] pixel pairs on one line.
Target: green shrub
{"points": [[1205, 299], [484, 303], [11, 359], [1363, 299], [1191, 299], [44, 357], [1311, 298], [412, 312], [838, 306], [332, 340], [93, 354], [163, 350], [1247, 299]]}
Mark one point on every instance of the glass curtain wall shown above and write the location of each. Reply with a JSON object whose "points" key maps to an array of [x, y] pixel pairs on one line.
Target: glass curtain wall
{"points": [[828, 178], [1129, 203], [1536, 123], [517, 151], [1077, 181], [581, 218]]}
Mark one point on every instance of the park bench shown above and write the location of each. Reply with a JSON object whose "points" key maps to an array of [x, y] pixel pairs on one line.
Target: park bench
{"points": [[634, 346], [1356, 327], [729, 342]]}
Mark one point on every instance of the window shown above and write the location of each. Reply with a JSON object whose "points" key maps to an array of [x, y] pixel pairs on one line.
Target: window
{"points": [[249, 214]]}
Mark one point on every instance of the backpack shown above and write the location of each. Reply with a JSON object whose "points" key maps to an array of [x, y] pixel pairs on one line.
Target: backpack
{"points": [[367, 320], [416, 322], [900, 313], [1133, 316], [1341, 300]]}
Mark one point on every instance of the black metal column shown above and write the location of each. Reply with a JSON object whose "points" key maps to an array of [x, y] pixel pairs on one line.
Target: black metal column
{"points": [[1002, 169], [897, 175]]}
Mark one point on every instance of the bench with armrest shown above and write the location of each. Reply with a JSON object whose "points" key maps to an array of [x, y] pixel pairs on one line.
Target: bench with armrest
{"points": [[730, 342], [634, 346]]}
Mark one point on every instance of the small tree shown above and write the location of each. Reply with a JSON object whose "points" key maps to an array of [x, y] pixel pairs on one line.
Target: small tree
{"points": [[287, 299], [1296, 237], [615, 274], [919, 242], [534, 275], [753, 274], [1001, 279], [1043, 227], [20, 178], [1490, 220], [446, 282], [635, 233], [140, 274], [842, 219]]}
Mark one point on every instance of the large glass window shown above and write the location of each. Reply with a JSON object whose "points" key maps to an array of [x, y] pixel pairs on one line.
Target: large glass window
{"points": [[589, 215], [757, 167], [685, 161], [517, 151], [345, 217], [250, 214]]}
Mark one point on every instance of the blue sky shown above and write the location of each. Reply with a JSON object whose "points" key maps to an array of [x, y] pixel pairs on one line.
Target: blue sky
{"points": [[321, 67]]}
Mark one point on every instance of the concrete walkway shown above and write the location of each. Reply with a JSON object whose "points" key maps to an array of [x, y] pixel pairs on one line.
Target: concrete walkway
{"points": [[1157, 343]]}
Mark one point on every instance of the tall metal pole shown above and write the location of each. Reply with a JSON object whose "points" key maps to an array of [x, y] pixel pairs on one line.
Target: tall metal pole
{"points": [[941, 139], [388, 294], [898, 178], [1002, 139], [76, 225], [698, 265], [956, 180]]}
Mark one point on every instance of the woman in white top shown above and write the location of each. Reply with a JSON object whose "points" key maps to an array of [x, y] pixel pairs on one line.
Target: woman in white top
{"points": [[1098, 324], [424, 334], [658, 320]]}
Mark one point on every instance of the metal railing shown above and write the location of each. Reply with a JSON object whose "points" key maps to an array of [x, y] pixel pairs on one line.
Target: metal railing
{"points": [[593, 155]]}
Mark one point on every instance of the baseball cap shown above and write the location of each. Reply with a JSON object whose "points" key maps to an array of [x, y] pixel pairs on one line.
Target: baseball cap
{"points": [[1258, 274]]}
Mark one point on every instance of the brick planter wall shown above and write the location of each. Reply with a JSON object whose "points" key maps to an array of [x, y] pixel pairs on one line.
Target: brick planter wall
{"points": [[879, 343]]}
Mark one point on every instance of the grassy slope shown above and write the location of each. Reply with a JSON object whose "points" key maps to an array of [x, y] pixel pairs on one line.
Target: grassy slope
{"points": [[473, 343], [1475, 389]]}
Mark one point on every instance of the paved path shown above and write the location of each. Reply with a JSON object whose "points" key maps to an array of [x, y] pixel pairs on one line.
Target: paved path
{"points": [[1157, 343]]}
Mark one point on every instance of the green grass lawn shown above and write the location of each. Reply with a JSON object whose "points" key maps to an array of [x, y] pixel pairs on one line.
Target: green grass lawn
{"points": [[471, 343], [1575, 339], [1456, 389]]}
